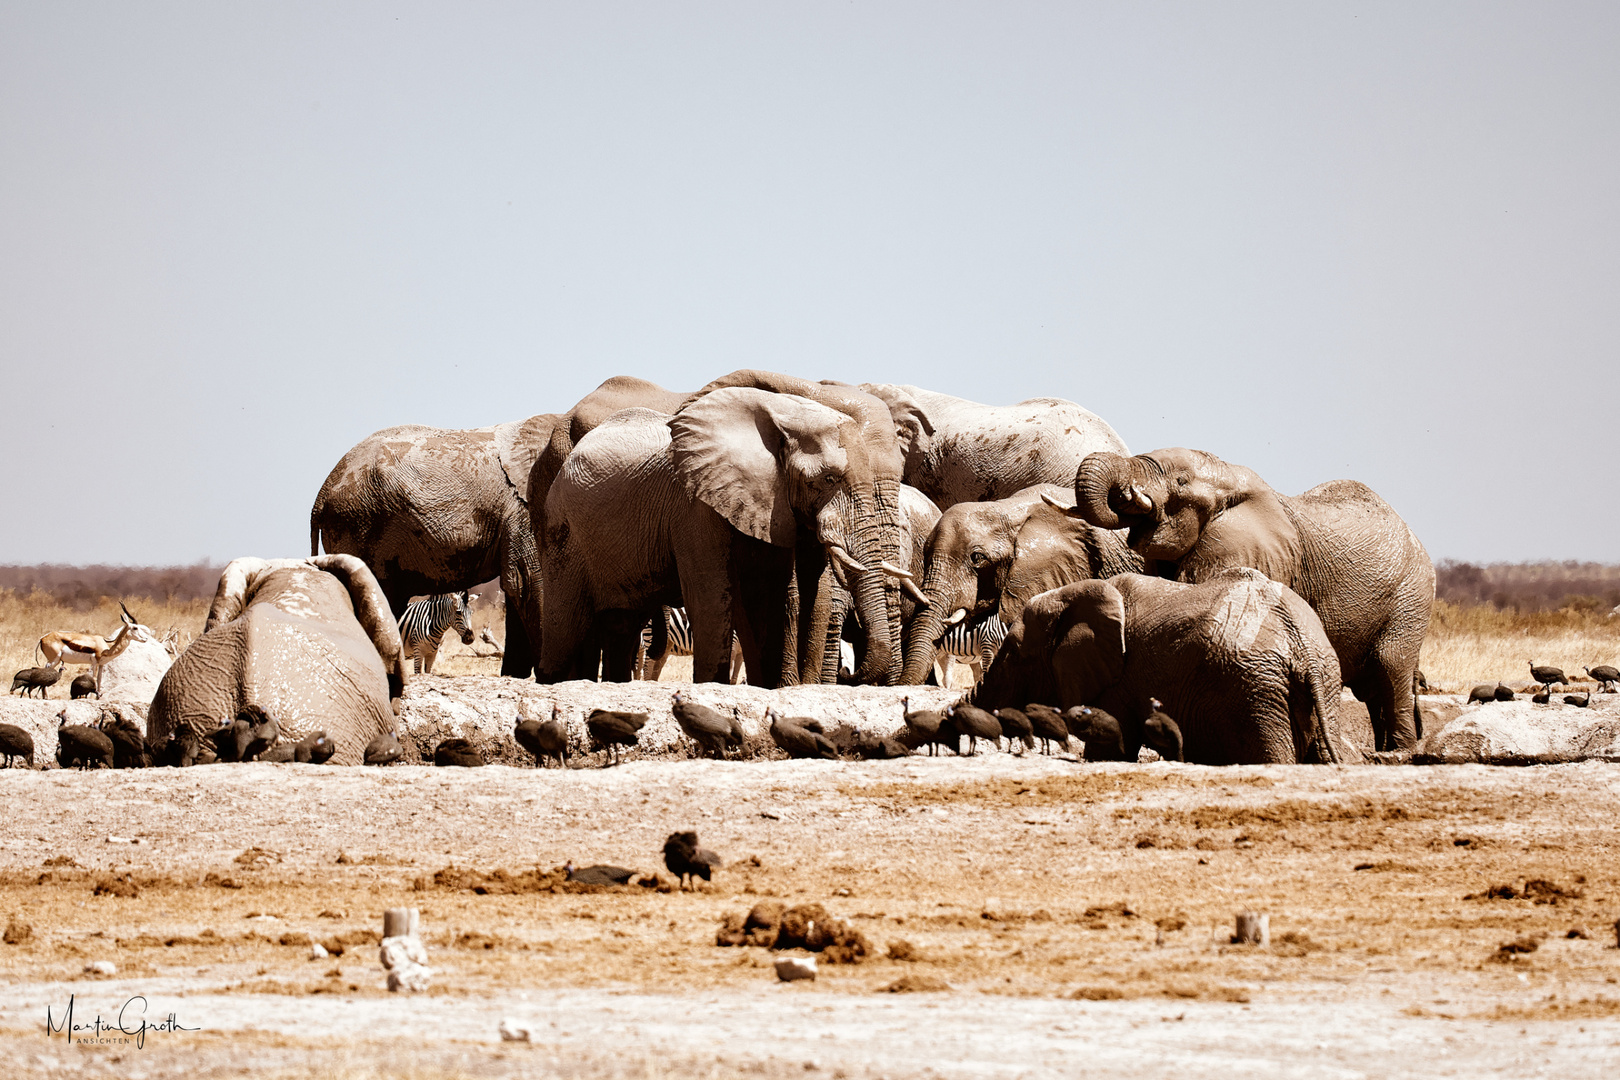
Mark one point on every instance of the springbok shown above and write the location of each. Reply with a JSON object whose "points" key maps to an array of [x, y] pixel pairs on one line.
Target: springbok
{"points": [[67, 647]]}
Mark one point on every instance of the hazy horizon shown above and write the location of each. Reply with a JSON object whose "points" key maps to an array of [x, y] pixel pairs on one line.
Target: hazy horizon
{"points": [[1380, 243]]}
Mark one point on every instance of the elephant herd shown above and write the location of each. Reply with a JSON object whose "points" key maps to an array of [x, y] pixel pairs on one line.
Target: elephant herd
{"points": [[798, 515]]}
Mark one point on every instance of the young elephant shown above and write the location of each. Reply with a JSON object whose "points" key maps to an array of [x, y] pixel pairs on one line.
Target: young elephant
{"points": [[311, 641], [1340, 546], [1240, 661]]}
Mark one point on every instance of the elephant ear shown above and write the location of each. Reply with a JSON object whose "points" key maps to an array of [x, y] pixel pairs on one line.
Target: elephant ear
{"points": [[911, 423], [728, 449], [1089, 655], [1254, 528], [235, 588], [519, 445], [372, 610]]}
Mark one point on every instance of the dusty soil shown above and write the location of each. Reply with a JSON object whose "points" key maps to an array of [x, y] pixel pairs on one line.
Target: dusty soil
{"points": [[1424, 920]]}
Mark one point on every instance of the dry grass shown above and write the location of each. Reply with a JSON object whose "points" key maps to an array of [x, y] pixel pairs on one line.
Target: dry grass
{"points": [[24, 619]]}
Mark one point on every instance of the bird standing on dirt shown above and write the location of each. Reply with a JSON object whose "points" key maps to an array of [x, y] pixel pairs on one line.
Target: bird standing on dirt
{"points": [[254, 732], [687, 861], [129, 745], [83, 686], [547, 740], [1017, 726], [77, 744], [459, 753], [975, 723], [1605, 675], [1048, 724], [708, 728], [1547, 675], [799, 738], [16, 743], [922, 728], [37, 678], [610, 730], [1161, 734], [384, 749], [1099, 730]]}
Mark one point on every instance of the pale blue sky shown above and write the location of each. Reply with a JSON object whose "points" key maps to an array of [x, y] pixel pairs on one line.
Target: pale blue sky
{"points": [[1378, 241]]}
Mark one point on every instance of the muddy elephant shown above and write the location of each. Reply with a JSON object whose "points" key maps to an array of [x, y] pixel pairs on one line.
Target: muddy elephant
{"points": [[311, 641], [1340, 546], [918, 516], [1239, 661], [988, 558], [961, 451], [726, 495], [435, 510]]}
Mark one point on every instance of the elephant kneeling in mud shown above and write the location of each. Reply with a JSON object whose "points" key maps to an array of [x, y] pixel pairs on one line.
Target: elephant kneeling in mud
{"points": [[1240, 662], [311, 641]]}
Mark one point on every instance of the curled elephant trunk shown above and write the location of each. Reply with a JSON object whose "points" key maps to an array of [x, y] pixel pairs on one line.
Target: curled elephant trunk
{"points": [[948, 592], [1110, 489]]}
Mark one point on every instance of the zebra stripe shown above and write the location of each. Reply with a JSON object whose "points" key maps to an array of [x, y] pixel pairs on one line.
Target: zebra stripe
{"points": [[425, 621], [976, 645], [678, 635]]}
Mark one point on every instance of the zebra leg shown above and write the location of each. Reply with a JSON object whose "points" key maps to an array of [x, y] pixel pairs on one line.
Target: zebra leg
{"points": [[429, 653]]}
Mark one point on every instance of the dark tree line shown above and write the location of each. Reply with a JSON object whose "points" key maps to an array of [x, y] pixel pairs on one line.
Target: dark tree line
{"points": [[1538, 586]]}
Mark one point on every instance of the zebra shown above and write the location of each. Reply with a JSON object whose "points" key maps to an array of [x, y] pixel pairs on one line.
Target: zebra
{"points": [[976, 645], [422, 626], [677, 642]]}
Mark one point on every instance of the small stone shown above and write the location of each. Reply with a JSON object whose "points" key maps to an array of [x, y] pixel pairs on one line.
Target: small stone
{"points": [[512, 1031], [318, 952], [101, 967], [793, 968]]}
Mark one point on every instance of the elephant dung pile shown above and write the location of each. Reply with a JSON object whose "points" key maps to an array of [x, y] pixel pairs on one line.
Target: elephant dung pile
{"points": [[485, 709]]}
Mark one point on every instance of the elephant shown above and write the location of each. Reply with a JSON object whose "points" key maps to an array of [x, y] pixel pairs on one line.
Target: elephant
{"points": [[436, 510], [918, 516], [1240, 662], [721, 495], [1340, 546], [962, 451], [311, 641], [987, 558]]}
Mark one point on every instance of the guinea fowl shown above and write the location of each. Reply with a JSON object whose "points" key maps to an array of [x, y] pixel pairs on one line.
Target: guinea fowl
{"points": [[1580, 701], [600, 874], [1504, 692], [384, 749], [1605, 675], [708, 728], [1161, 734], [1048, 724], [1016, 726], [37, 678], [975, 723], [16, 743], [254, 732], [547, 740], [1482, 692], [687, 861], [1101, 733], [1541, 697], [872, 748], [925, 727], [1547, 675], [316, 748], [610, 730], [83, 686], [129, 745], [457, 753], [79, 745], [798, 739]]}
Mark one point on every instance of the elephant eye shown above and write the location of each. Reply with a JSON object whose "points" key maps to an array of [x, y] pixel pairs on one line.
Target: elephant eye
{"points": [[1181, 481], [977, 558]]}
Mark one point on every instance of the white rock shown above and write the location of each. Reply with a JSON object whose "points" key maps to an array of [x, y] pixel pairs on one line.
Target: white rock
{"points": [[512, 1031], [317, 951], [406, 961], [101, 967], [792, 968]]}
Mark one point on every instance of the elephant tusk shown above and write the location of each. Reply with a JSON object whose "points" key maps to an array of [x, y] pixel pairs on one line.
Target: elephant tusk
{"points": [[889, 568], [1071, 511], [1141, 500], [909, 587], [837, 552], [956, 616]]}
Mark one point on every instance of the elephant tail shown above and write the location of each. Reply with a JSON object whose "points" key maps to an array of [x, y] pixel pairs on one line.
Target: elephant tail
{"points": [[1319, 669]]}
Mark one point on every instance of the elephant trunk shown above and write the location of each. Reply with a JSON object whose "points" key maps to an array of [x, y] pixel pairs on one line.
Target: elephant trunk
{"points": [[877, 595], [1111, 490], [948, 591]]}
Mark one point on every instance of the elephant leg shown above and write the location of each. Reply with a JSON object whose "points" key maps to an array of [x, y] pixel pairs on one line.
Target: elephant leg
{"points": [[1386, 687], [942, 668], [655, 667], [736, 658], [521, 653]]}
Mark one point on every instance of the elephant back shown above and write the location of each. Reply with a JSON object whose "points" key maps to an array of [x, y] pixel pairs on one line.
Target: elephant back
{"points": [[519, 444]]}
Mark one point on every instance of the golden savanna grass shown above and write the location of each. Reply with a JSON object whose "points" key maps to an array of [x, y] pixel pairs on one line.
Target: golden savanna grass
{"points": [[1466, 645]]}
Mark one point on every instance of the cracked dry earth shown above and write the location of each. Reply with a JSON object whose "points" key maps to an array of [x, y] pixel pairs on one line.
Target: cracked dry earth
{"points": [[1424, 921]]}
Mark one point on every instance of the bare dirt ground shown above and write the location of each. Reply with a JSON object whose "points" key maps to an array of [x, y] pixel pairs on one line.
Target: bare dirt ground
{"points": [[1424, 921]]}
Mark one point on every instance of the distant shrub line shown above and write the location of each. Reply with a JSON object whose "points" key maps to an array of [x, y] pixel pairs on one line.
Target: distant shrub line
{"points": [[84, 587], [1529, 587]]}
